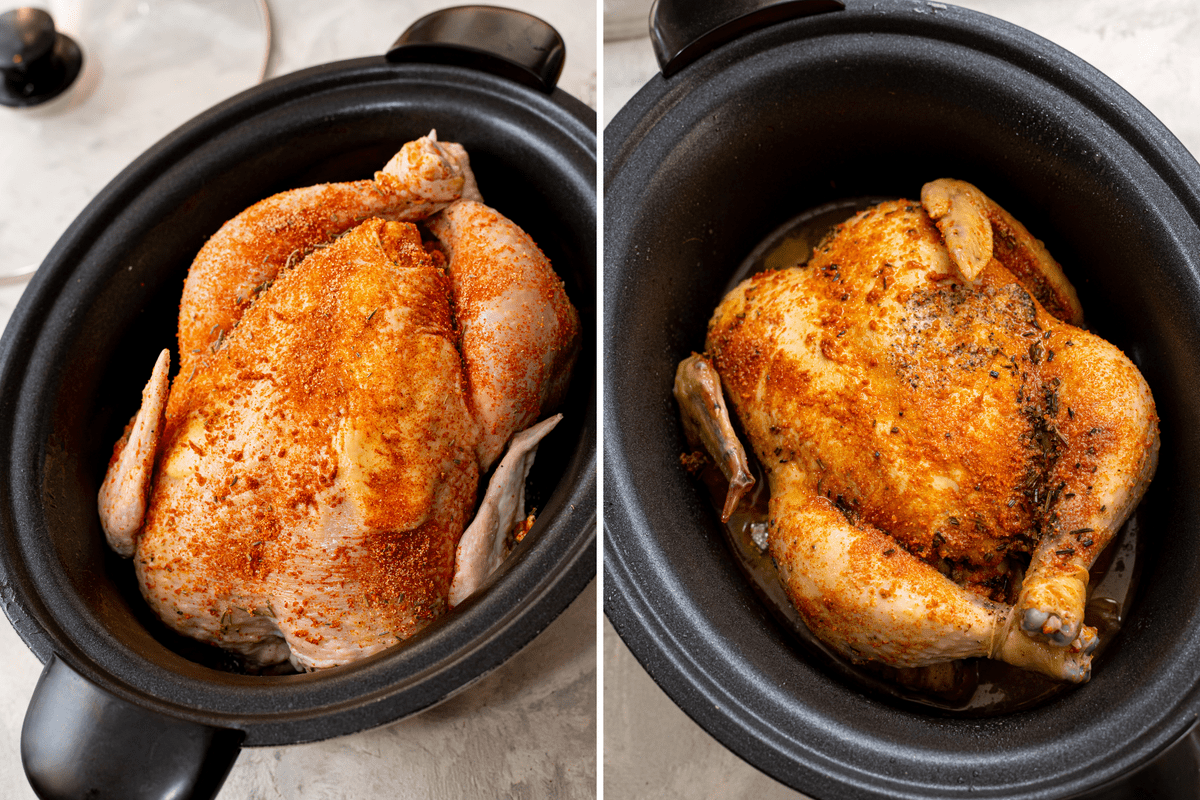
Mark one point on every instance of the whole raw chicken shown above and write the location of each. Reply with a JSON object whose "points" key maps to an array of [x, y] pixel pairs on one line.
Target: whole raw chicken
{"points": [[947, 451], [301, 491]]}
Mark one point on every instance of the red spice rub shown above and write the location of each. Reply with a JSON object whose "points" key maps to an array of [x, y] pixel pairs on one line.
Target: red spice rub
{"points": [[321, 459]]}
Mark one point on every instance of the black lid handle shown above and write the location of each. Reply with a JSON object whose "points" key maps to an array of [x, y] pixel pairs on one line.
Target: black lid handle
{"points": [[683, 30], [501, 41], [81, 741], [36, 61]]}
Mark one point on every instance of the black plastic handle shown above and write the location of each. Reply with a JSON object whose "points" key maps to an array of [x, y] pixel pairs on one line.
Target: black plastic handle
{"points": [[501, 41], [683, 30], [79, 741]]}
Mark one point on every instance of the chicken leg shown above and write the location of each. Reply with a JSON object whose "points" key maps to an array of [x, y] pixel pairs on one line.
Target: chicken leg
{"points": [[274, 234], [872, 600], [520, 333], [1105, 443]]}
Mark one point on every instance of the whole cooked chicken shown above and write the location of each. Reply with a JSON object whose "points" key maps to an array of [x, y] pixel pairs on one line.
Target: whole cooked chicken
{"points": [[303, 490], [947, 450]]}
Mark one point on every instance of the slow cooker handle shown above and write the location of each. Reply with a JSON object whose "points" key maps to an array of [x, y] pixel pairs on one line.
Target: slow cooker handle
{"points": [[683, 30], [80, 741], [501, 41]]}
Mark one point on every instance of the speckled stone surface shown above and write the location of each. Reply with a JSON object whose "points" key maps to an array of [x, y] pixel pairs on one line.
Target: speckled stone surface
{"points": [[527, 730], [1150, 48]]}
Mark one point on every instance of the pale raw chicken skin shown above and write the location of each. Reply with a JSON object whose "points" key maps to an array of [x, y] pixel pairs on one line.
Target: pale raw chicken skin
{"points": [[926, 424], [320, 455]]}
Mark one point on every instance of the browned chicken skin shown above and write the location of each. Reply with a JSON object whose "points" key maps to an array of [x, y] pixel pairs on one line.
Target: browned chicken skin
{"points": [[925, 432]]}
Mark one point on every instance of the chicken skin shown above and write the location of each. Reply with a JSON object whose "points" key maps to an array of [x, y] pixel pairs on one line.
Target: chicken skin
{"points": [[947, 452], [299, 491]]}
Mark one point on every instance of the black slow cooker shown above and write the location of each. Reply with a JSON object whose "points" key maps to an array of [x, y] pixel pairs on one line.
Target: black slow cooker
{"points": [[764, 111], [117, 685]]}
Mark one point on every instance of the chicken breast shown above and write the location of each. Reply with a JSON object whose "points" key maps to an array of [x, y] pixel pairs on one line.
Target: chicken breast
{"points": [[316, 477]]}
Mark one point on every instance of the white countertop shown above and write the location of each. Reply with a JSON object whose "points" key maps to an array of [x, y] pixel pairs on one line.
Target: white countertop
{"points": [[528, 729], [1151, 49]]}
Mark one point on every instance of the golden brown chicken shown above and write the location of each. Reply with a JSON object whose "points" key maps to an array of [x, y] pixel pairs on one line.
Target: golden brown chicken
{"points": [[343, 386], [930, 420]]}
